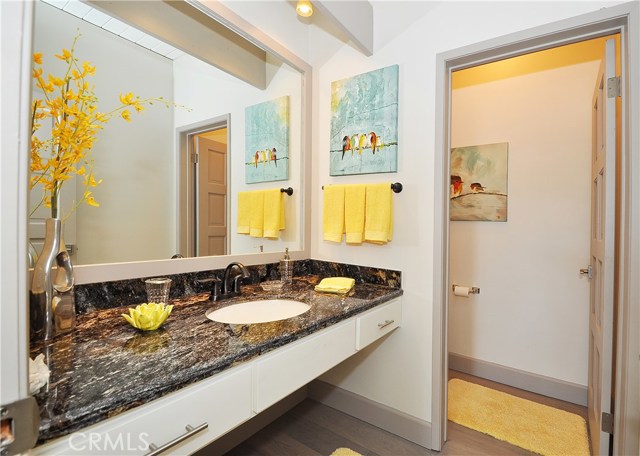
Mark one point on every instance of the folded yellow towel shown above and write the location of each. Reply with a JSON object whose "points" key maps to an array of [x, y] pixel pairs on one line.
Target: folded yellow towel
{"points": [[378, 226], [245, 208], [256, 225], [273, 213], [333, 213], [335, 285], [354, 204]]}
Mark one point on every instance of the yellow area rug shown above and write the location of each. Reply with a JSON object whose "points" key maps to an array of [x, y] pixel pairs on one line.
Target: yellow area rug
{"points": [[345, 452], [529, 425]]}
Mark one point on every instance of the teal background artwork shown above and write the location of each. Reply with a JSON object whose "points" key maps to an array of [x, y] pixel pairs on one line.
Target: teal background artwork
{"points": [[267, 141], [364, 123], [478, 190]]}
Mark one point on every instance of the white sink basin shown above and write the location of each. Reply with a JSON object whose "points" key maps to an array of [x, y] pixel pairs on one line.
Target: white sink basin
{"points": [[263, 311]]}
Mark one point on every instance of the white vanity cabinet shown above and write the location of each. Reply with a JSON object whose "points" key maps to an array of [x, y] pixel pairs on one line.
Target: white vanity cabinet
{"points": [[221, 402], [231, 397]]}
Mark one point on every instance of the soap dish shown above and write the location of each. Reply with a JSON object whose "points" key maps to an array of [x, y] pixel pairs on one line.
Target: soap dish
{"points": [[272, 285]]}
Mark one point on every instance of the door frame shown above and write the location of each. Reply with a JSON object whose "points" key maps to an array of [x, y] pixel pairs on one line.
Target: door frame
{"points": [[623, 19], [187, 179]]}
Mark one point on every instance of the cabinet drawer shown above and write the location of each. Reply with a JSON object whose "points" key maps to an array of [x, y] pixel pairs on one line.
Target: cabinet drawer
{"points": [[378, 322], [223, 402], [282, 372]]}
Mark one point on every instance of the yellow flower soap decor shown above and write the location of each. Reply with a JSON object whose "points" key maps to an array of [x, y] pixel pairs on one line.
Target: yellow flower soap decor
{"points": [[148, 316]]}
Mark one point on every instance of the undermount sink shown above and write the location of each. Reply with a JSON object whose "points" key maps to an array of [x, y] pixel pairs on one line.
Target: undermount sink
{"points": [[261, 311]]}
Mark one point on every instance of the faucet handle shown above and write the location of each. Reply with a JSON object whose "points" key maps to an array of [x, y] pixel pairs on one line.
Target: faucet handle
{"points": [[215, 289]]}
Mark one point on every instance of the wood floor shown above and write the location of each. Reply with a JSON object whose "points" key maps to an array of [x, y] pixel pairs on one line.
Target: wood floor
{"points": [[313, 429]]}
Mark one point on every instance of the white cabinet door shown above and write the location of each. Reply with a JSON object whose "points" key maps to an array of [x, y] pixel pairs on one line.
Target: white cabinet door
{"points": [[222, 402]]}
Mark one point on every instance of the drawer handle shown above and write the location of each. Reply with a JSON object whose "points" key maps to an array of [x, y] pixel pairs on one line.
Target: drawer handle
{"points": [[155, 450], [385, 324]]}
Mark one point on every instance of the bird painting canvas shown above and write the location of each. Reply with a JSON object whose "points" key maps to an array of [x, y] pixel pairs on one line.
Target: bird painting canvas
{"points": [[478, 190], [364, 123], [267, 141]]}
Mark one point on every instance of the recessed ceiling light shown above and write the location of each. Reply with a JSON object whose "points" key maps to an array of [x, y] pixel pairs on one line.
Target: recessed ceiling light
{"points": [[304, 8]]}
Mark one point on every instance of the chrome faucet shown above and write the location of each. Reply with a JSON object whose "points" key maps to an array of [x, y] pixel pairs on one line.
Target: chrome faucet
{"points": [[231, 281]]}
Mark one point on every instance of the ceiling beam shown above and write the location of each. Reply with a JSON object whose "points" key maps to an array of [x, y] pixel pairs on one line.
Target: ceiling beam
{"points": [[355, 18]]}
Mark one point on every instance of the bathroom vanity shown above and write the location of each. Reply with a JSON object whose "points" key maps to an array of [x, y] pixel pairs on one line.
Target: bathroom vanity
{"points": [[117, 390]]}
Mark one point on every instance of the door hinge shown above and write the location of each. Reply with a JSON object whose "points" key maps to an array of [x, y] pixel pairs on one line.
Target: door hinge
{"points": [[607, 422], [20, 424], [613, 87], [194, 158]]}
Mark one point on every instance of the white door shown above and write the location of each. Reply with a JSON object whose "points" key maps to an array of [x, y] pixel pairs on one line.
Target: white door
{"points": [[211, 210], [602, 252]]}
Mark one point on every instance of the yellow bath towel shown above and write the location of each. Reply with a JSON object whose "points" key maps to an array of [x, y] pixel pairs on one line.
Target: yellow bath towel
{"points": [[336, 285], [256, 225], [378, 227], [354, 204], [244, 212], [273, 213], [333, 213]]}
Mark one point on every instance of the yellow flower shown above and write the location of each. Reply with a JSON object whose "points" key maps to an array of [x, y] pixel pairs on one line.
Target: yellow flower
{"points": [[127, 99], [66, 55], [88, 69], [126, 115], [37, 57]]}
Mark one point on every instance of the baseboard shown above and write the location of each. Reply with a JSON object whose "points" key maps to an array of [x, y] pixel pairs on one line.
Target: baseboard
{"points": [[238, 435], [382, 416], [540, 384]]}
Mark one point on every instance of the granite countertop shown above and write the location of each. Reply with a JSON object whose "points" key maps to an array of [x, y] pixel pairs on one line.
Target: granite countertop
{"points": [[106, 366]]}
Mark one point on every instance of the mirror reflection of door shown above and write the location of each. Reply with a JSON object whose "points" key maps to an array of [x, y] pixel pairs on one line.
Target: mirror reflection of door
{"points": [[211, 190]]}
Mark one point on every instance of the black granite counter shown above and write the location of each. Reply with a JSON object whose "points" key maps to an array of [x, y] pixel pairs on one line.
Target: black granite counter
{"points": [[106, 367]]}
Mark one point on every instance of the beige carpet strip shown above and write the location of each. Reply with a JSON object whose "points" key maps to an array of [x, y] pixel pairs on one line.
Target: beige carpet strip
{"points": [[539, 428]]}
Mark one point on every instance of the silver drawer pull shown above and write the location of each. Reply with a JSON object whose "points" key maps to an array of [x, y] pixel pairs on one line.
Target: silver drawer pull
{"points": [[385, 324], [155, 450]]}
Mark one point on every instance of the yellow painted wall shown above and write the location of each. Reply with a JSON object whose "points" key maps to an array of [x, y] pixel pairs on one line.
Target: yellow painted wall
{"points": [[572, 54]]}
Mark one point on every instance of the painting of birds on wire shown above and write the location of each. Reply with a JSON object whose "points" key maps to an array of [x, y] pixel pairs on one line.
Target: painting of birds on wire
{"points": [[267, 141], [478, 190], [364, 123]]}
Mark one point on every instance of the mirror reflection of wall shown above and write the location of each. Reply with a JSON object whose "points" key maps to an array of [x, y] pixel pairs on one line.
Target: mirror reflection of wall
{"points": [[138, 161]]}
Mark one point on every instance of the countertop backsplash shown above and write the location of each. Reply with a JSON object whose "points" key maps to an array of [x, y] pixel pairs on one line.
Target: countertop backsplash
{"points": [[107, 295]]}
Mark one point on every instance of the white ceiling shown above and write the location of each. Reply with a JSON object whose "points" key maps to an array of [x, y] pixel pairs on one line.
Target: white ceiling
{"points": [[113, 25]]}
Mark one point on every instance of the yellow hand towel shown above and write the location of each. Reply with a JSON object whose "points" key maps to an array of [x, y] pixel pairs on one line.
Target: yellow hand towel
{"points": [[273, 213], [256, 226], [333, 213], [335, 285], [244, 212], [354, 198], [378, 227]]}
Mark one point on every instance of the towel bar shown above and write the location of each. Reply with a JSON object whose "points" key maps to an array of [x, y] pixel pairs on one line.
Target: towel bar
{"points": [[288, 191], [396, 187]]}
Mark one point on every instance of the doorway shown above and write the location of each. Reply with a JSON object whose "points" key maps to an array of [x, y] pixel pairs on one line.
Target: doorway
{"points": [[202, 188], [593, 25], [528, 326]]}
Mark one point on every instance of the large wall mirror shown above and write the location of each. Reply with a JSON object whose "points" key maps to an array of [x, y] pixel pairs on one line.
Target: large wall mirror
{"points": [[155, 170]]}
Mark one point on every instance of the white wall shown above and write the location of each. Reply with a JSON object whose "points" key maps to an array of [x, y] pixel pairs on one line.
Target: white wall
{"points": [[136, 217], [398, 371], [532, 312], [209, 93]]}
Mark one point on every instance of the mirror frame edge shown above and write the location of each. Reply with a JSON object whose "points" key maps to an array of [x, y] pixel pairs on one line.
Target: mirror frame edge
{"points": [[130, 270]]}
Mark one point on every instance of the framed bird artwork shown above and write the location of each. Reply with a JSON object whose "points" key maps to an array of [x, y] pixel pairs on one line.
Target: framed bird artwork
{"points": [[364, 123], [267, 141], [478, 190]]}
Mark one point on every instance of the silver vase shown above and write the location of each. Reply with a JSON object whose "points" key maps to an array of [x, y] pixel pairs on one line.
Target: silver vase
{"points": [[51, 297]]}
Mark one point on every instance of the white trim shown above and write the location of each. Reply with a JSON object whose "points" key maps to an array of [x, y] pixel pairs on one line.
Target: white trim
{"points": [[620, 18], [540, 384], [380, 415], [15, 23]]}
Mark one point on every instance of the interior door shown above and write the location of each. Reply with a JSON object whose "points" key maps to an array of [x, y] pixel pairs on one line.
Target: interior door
{"points": [[211, 213], [602, 253]]}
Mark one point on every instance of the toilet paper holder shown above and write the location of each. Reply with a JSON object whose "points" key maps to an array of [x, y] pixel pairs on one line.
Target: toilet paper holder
{"points": [[472, 290]]}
